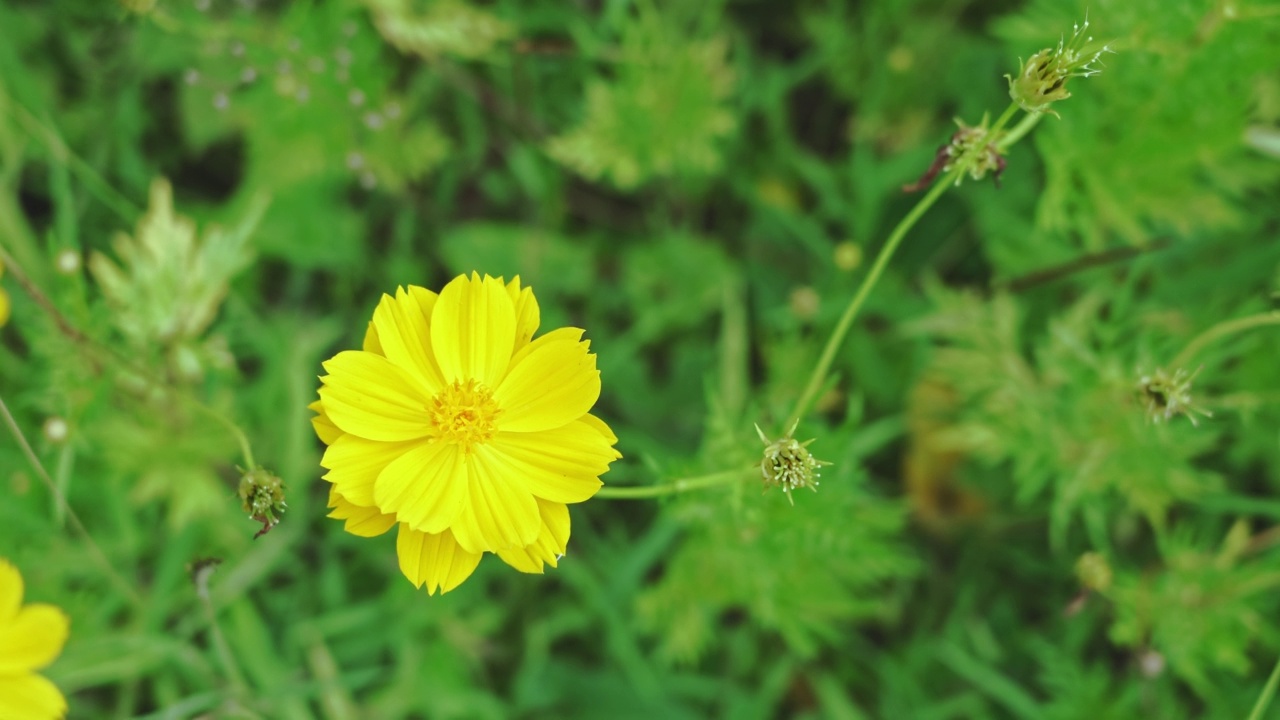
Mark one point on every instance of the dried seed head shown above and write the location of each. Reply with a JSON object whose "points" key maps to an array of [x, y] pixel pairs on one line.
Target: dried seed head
{"points": [[1042, 79], [787, 464], [1164, 395], [262, 497], [974, 149]]}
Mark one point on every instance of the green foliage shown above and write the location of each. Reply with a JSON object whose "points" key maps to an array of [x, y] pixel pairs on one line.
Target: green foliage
{"points": [[1069, 421], [1203, 610], [1017, 522], [663, 113], [169, 285], [743, 556], [446, 27]]}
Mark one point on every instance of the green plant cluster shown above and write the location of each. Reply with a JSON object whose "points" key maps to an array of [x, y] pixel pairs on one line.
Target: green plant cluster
{"points": [[1052, 432]]}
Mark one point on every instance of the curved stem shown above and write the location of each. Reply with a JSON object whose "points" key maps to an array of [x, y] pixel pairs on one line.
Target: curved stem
{"points": [[819, 374], [245, 448], [61, 154], [1221, 330], [675, 487], [98, 555]]}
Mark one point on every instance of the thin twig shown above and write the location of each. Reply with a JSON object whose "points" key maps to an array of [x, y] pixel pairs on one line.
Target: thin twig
{"points": [[65, 506], [1082, 263], [41, 299]]}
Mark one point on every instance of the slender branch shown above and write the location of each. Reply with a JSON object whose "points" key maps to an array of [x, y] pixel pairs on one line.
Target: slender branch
{"points": [[1221, 330], [676, 487], [1084, 262], [40, 298], [245, 448], [61, 154], [61, 499], [819, 375]]}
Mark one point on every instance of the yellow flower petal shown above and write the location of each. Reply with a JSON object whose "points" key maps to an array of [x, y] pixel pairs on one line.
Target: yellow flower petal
{"points": [[603, 429], [324, 427], [562, 465], [426, 487], [10, 592], [473, 330], [355, 463], [527, 314], [435, 560], [32, 638], [366, 395], [361, 521], [371, 343], [552, 381], [550, 545], [401, 326], [500, 512], [30, 697], [4, 307]]}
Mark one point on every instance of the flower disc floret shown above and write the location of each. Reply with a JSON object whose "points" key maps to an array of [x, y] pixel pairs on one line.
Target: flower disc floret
{"points": [[464, 414], [458, 426]]}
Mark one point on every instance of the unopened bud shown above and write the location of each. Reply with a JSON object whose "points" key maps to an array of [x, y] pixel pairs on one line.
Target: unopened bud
{"points": [[67, 262], [787, 464], [262, 497], [1164, 395], [55, 430], [1094, 572], [1042, 79]]}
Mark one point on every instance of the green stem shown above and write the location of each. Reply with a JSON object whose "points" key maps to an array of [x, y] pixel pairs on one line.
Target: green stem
{"points": [[1004, 119], [675, 486], [1023, 127], [61, 154], [1221, 330], [1268, 692], [245, 448], [61, 499], [819, 375]]}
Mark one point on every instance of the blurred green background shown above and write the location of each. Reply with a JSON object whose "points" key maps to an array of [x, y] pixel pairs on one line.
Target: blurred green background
{"points": [[701, 186]]}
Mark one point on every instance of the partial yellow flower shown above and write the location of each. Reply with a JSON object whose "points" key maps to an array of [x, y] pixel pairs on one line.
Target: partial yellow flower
{"points": [[456, 425], [4, 301], [30, 638]]}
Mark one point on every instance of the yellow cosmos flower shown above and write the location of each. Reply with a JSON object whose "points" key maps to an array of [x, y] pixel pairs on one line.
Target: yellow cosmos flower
{"points": [[4, 301], [30, 638], [456, 425]]}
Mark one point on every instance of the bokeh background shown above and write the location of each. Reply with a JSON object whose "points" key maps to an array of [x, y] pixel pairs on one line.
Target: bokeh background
{"points": [[1004, 533]]}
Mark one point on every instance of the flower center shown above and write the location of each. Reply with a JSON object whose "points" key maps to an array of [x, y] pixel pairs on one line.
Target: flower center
{"points": [[464, 413]]}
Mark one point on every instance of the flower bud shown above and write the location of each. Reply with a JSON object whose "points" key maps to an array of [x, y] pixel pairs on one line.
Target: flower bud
{"points": [[1164, 395], [262, 497], [787, 464], [1094, 572], [1042, 79]]}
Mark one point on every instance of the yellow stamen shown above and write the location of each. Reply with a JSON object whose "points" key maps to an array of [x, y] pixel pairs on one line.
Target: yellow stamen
{"points": [[465, 414]]}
